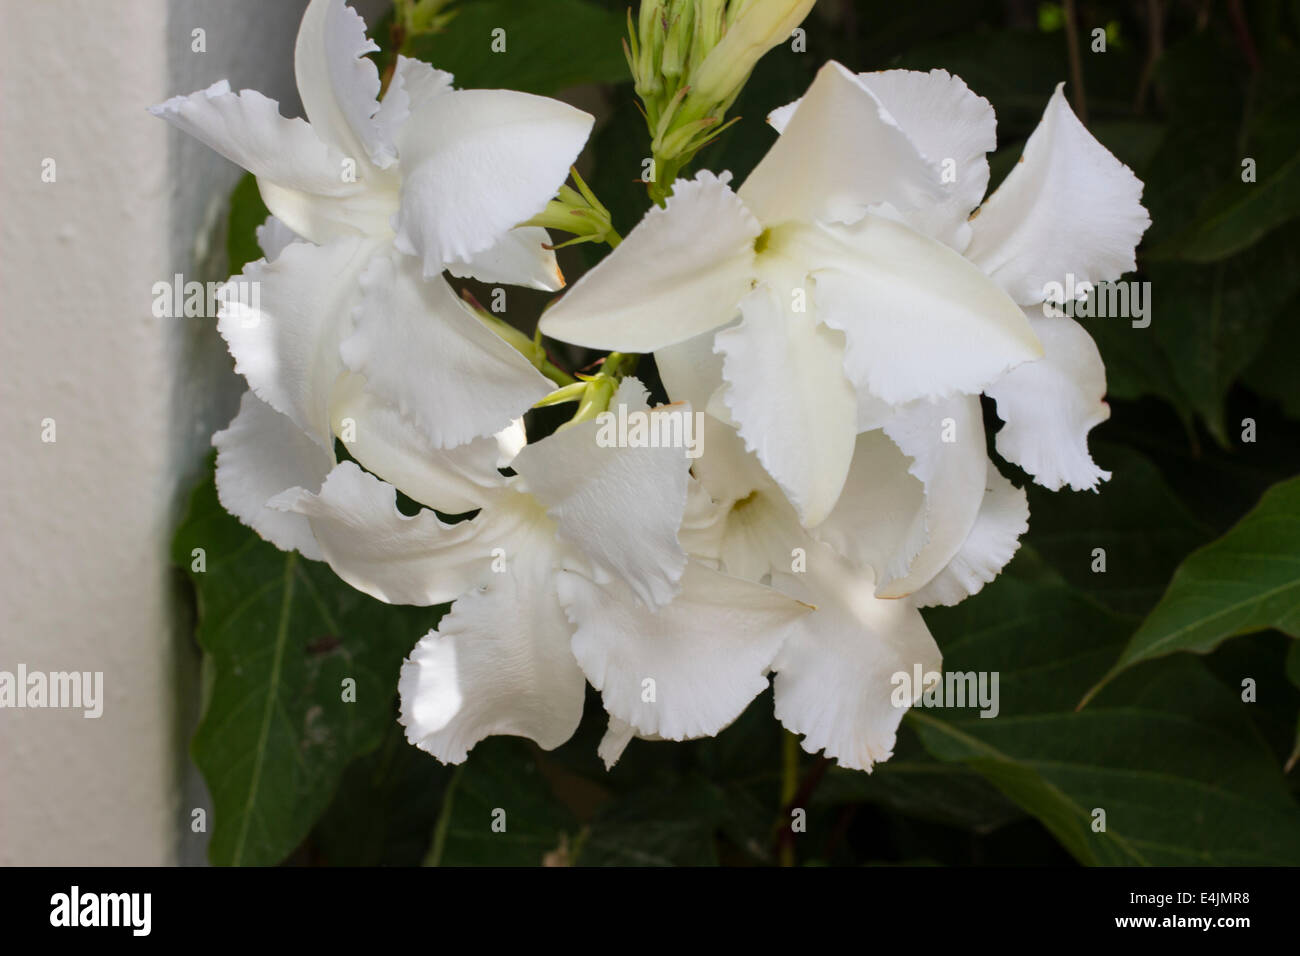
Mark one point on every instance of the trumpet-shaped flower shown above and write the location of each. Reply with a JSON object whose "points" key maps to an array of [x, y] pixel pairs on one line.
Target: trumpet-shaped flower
{"points": [[371, 200], [836, 670], [571, 568], [445, 174], [846, 278]]}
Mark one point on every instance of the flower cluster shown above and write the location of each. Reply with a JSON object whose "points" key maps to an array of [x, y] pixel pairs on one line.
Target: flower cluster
{"points": [[830, 325]]}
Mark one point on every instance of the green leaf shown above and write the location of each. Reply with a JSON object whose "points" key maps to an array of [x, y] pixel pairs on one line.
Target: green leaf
{"points": [[281, 634], [1232, 215], [1017, 71], [550, 45], [1293, 675], [1167, 752], [914, 784], [669, 825], [1239, 215], [1260, 665], [1217, 318], [1207, 324], [247, 212], [1134, 518], [385, 809], [1246, 581], [1180, 806], [1272, 373], [500, 810]]}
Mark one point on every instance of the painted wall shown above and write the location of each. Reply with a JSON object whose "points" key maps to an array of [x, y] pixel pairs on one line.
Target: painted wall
{"points": [[85, 582]]}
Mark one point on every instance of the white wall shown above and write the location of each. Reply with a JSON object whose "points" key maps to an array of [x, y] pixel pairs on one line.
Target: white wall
{"points": [[85, 582]]}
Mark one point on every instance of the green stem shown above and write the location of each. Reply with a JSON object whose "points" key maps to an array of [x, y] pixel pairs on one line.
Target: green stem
{"points": [[530, 348], [619, 364]]}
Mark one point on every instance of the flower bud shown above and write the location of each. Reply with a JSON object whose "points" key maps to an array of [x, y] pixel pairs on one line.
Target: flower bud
{"points": [[760, 25], [690, 59]]}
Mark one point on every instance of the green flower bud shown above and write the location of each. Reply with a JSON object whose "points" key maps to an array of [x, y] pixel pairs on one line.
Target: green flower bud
{"points": [[690, 59], [761, 25]]}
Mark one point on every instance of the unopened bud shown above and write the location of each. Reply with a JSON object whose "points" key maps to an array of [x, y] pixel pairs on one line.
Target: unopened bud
{"points": [[760, 26]]}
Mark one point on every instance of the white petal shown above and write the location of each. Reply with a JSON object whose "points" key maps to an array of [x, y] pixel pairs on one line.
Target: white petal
{"points": [[387, 443], [749, 527], [283, 321], [324, 218], [841, 153], [953, 128], [273, 236], [247, 129], [946, 443], [787, 391], [309, 185], [260, 454], [702, 658], [338, 84], [617, 736], [912, 495], [879, 520], [704, 525], [762, 536], [919, 320], [779, 118], [950, 126], [476, 163], [992, 542], [414, 83], [418, 560], [423, 350], [727, 470], [619, 505], [520, 257], [510, 442], [1049, 407], [690, 370], [499, 663], [1068, 208], [679, 273], [834, 681]]}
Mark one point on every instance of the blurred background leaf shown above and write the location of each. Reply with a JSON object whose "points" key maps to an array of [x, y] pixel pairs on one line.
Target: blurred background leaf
{"points": [[280, 635], [1168, 753], [549, 45], [499, 809], [1244, 582]]}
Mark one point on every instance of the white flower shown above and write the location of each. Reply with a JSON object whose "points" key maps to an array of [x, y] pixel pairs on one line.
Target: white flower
{"points": [[835, 671], [862, 284], [358, 318], [921, 515], [571, 567], [443, 173]]}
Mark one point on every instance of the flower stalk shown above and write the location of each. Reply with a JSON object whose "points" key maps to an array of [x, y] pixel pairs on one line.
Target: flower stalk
{"points": [[593, 392], [530, 348]]}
